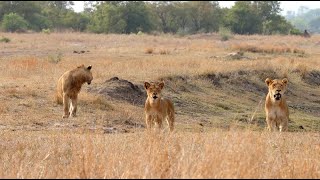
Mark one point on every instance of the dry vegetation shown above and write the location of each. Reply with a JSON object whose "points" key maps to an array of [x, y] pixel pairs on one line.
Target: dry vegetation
{"points": [[220, 127]]}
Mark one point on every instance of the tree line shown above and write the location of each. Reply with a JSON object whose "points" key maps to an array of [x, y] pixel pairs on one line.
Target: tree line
{"points": [[305, 19], [177, 17]]}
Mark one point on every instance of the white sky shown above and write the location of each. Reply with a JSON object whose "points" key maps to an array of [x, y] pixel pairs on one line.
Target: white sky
{"points": [[285, 5]]}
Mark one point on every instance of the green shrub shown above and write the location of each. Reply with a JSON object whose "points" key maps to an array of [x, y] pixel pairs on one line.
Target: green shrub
{"points": [[46, 31], [225, 33], [295, 31], [5, 39], [55, 58], [12, 22]]}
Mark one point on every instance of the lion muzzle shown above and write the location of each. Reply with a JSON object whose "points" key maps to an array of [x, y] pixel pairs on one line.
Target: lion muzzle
{"points": [[277, 96]]}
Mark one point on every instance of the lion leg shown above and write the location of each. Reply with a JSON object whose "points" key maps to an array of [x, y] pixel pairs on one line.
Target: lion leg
{"points": [[148, 121], [271, 124], [158, 121], [74, 102], [284, 125], [65, 106], [170, 120]]}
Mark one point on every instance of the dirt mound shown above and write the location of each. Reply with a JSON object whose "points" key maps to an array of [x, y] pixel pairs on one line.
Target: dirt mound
{"points": [[251, 81], [121, 89]]}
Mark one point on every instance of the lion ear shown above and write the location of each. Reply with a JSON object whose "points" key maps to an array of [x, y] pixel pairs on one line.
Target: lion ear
{"points": [[89, 67], [80, 66], [268, 81], [161, 85], [146, 85], [285, 81]]}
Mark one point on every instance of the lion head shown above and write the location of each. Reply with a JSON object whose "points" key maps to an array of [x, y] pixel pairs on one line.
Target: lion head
{"points": [[154, 91], [85, 73], [277, 87]]}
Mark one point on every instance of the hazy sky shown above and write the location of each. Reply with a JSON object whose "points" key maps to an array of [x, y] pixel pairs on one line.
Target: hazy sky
{"points": [[285, 5]]}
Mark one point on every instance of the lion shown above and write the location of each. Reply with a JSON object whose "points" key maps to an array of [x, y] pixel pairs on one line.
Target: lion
{"points": [[277, 113], [68, 87], [157, 108]]}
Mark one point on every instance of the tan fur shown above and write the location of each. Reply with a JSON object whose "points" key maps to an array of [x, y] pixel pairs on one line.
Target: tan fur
{"points": [[69, 86], [156, 110], [277, 113]]}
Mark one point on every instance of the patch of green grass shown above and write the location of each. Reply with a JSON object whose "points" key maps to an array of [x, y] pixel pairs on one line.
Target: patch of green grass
{"points": [[55, 58], [5, 39]]}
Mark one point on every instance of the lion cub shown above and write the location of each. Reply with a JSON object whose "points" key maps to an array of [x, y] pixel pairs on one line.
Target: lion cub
{"points": [[157, 108], [277, 113], [69, 85]]}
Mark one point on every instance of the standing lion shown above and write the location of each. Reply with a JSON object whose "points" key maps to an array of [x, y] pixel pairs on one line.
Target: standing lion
{"points": [[157, 108], [277, 113], [69, 85]]}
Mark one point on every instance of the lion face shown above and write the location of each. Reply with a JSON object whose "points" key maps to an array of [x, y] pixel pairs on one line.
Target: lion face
{"points": [[154, 91], [277, 88]]}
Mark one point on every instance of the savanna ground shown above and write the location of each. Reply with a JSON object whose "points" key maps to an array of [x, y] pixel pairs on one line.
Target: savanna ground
{"points": [[219, 101]]}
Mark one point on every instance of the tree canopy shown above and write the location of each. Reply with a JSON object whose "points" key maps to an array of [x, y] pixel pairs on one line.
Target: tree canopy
{"points": [[182, 17]]}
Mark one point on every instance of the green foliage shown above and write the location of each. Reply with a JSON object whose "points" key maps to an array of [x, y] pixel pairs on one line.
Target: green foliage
{"points": [[5, 39], [295, 31], [225, 33], [46, 31], [314, 25], [309, 20], [276, 25], [129, 17], [55, 58], [177, 17], [75, 21], [243, 18], [12, 22]]}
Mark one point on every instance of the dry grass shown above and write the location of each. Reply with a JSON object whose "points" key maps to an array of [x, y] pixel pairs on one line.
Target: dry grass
{"points": [[164, 51], [219, 133], [234, 154], [271, 49]]}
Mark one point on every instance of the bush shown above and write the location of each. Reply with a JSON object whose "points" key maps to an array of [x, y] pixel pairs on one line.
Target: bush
{"points": [[4, 39], [295, 31], [46, 31], [12, 22], [225, 33]]}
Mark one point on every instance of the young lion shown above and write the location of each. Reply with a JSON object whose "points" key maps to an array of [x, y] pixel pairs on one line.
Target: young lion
{"points": [[69, 86], [157, 108], [277, 113]]}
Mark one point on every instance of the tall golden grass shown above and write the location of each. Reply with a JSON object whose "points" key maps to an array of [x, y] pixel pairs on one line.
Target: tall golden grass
{"points": [[232, 154]]}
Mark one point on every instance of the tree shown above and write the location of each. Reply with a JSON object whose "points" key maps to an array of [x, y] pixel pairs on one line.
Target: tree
{"points": [[277, 25], [12, 22], [267, 10], [137, 17], [243, 18], [76, 21], [315, 25], [205, 15], [163, 11], [107, 19], [124, 17]]}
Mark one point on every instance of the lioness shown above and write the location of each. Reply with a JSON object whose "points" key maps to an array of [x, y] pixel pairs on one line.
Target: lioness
{"points": [[69, 85], [277, 113], [157, 108]]}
